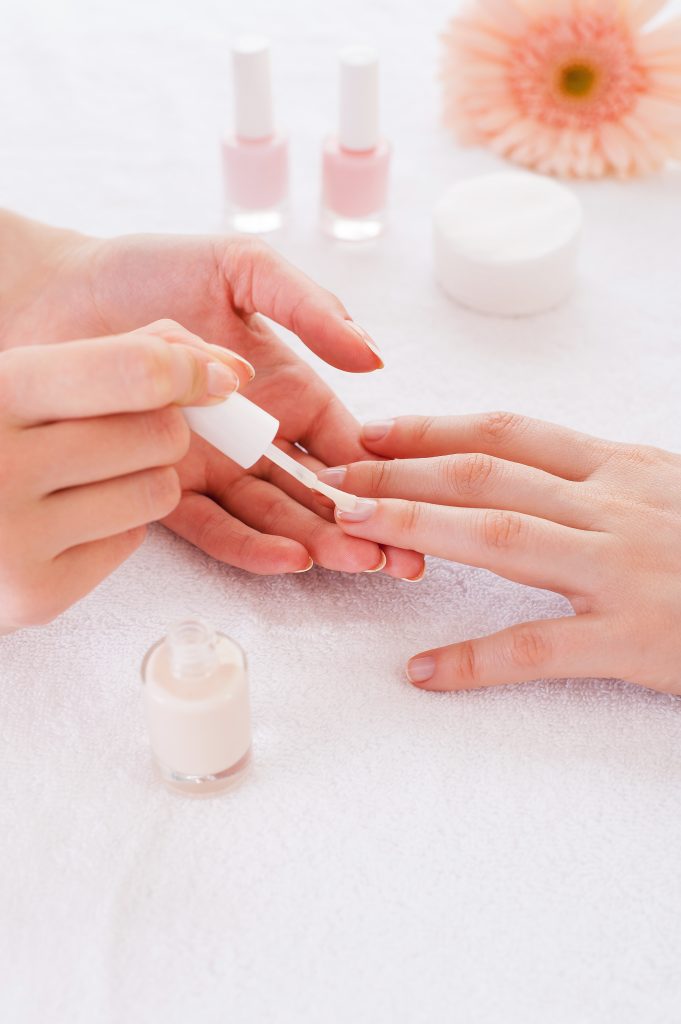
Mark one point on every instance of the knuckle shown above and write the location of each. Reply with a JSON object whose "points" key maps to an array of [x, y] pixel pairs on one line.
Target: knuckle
{"points": [[499, 427], [411, 516], [379, 477], [501, 529], [530, 648], [170, 330], [466, 666], [163, 492], [147, 371], [467, 474], [421, 429], [169, 434]]}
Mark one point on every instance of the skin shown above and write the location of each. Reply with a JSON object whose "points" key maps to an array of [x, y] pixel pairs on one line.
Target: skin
{"points": [[89, 434], [596, 521], [58, 285]]}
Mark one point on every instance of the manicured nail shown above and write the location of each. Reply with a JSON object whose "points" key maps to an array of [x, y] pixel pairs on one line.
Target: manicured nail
{"points": [[414, 579], [305, 568], [377, 429], [363, 510], [368, 341], [220, 380], [333, 476], [227, 354], [420, 670], [381, 564]]}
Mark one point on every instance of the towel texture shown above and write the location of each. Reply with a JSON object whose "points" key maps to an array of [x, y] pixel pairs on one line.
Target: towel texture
{"points": [[500, 857]]}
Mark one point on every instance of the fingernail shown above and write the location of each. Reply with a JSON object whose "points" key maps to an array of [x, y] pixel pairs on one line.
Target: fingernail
{"points": [[363, 510], [220, 380], [420, 670], [305, 568], [368, 341], [333, 476], [414, 579], [377, 429], [228, 354], [381, 564]]}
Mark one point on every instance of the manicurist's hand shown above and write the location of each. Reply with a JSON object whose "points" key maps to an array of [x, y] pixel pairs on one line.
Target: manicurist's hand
{"points": [[89, 435], [259, 520], [596, 521]]}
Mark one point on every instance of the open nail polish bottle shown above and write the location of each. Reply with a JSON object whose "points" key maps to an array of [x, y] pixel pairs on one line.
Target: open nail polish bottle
{"points": [[355, 163], [255, 158], [197, 708]]}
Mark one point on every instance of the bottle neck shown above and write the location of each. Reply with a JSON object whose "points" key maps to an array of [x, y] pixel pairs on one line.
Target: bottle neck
{"points": [[192, 649]]}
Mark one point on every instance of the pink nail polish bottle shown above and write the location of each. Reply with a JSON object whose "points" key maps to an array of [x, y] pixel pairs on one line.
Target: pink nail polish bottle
{"points": [[355, 163], [255, 158]]}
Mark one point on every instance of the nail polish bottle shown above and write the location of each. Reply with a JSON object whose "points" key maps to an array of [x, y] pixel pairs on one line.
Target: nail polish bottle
{"points": [[197, 708], [255, 158], [355, 163]]}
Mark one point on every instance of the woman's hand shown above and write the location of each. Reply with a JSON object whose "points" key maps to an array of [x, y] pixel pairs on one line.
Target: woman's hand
{"points": [[596, 521], [216, 286], [89, 434]]}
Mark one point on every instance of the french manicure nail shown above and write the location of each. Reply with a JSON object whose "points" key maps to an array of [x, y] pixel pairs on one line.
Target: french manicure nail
{"points": [[377, 429], [227, 354], [381, 564], [367, 339], [414, 579], [333, 476], [220, 380], [420, 670], [363, 510]]}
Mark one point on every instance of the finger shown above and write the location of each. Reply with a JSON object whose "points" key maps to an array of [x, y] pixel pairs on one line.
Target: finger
{"points": [[551, 649], [473, 481], [80, 569], [79, 515], [261, 281], [172, 332], [519, 547], [404, 565], [269, 510], [74, 452], [132, 373], [546, 446], [209, 527]]}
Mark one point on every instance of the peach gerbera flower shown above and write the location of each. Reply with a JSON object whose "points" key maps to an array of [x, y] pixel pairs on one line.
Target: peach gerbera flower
{"points": [[568, 87]]}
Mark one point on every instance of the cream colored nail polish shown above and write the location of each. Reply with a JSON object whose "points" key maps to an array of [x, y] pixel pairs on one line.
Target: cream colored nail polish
{"points": [[197, 708]]}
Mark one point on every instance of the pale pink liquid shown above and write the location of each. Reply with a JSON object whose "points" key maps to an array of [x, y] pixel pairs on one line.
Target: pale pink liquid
{"points": [[256, 172], [355, 184]]}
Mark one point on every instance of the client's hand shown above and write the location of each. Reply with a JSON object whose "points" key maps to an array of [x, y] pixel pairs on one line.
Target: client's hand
{"points": [[596, 521]]}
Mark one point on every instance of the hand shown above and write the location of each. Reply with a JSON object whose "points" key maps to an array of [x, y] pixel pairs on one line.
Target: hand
{"points": [[257, 519], [596, 521], [88, 439]]}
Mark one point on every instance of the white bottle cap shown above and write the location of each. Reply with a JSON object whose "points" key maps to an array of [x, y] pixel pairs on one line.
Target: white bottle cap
{"points": [[507, 244], [253, 108], [358, 126], [236, 427]]}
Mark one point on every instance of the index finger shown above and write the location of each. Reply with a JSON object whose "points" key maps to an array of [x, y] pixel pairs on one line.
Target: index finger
{"points": [[558, 450], [100, 376]]}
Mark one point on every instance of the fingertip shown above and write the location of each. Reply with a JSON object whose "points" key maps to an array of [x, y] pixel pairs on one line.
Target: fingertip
{"points": [[375, 433], [421, 669]]}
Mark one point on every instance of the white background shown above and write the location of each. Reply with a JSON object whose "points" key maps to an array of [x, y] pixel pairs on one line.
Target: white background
{"points": [[503, 856]]}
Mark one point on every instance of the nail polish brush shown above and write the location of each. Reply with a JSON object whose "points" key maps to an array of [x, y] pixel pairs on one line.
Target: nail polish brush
{"points": [[245, 433]]}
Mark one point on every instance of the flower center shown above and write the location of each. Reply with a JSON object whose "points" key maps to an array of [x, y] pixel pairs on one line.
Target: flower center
{"points": [[576, 71], [577, 80]]}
